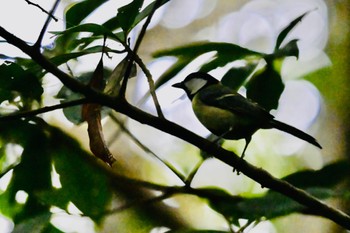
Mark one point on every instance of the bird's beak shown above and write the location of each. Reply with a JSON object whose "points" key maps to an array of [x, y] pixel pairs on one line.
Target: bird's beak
{"points": [[178, 85]]}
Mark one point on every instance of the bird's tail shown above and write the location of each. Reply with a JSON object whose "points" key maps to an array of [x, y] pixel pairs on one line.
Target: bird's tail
{"points": [[295, 132]]}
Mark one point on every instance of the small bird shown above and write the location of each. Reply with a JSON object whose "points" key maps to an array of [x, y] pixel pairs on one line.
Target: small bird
{"points": [[228, 114]]}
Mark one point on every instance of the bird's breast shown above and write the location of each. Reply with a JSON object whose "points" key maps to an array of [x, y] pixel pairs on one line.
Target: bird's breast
{"points": [[222, 122]]}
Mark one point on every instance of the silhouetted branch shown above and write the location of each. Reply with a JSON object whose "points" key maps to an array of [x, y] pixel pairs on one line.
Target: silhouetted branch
{"points": [[35, 112], [119, 104], [42, 9]]}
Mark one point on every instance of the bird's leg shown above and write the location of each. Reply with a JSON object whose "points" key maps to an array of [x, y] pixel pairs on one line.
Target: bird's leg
{"points": [[247, 141]]}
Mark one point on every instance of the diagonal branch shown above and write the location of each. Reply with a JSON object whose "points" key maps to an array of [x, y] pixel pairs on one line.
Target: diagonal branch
{"points": [[132, 59], [42, 9], [46, 24], [119, 104], [35, 112]]}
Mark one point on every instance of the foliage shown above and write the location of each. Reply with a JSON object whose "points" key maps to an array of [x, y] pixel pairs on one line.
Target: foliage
{"points": [[84, 180]]}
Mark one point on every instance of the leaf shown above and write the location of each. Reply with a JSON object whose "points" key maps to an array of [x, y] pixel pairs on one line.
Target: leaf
{"points": [[73, 114], [236, 76], [327, 177], [15, 81], [265, 88], [115, 78], [290, 49], [79, 11], [32, 174], [127, 14], [113, 23], [82, 182], [145, 12], [283, 34], [180, 64], [96, 29], [38, 223], [225, 53]]}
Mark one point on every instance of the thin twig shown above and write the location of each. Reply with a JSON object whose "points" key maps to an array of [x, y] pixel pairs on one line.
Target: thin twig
{"points": [[140, 202], [46, 24], [132, 59], [42, 9], [145, 148], [31, 113]]}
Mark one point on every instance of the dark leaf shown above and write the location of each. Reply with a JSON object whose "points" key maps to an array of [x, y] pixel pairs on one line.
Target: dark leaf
{"points": [[85, 185], [283, 34], [113, 23], [327, 177], [38, 224], [96, 29], [79, 11], [225, 53], [127, 14], [265, 88], [115, 78], [290, 49], [32, 174], [181, 63], [236, 76], [73, 114], [145, 12], [15, 81]]}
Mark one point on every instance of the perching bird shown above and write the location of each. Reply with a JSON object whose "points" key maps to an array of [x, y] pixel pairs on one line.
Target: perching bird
{"points": [[228, 114]]}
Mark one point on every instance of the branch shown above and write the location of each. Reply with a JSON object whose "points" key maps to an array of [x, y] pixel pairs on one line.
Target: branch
{"points": [[46, 24], [119, 104], [146, 149], [132, 55], [35, 112], [42, 9]]}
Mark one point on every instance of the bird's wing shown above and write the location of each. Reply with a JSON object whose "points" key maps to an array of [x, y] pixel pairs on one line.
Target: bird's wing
{"points": [[227, 99]]}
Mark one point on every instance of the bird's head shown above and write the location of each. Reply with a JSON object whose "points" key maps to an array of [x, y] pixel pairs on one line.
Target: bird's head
{"points": [[195, 82]]}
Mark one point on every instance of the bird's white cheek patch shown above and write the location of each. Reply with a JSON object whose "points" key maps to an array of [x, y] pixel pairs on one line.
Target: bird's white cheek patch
{"points": [[194, 85]]}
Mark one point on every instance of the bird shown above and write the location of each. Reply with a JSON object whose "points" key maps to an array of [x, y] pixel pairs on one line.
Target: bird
{"points": [[229, 115]]}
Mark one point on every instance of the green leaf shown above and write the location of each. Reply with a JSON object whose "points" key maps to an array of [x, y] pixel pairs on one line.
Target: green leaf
{"points": [[290, 49], [265, 88], [32, 174], [145, 12], [225, 53], [113, 23], [73, 114], [63, 58], [327, 177], [180, 64], [127, 14], [236, 76], [54, 197], [283, 34], [84, 183], [79, 11], [38, 223], [96, 29], [15, 81]]}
